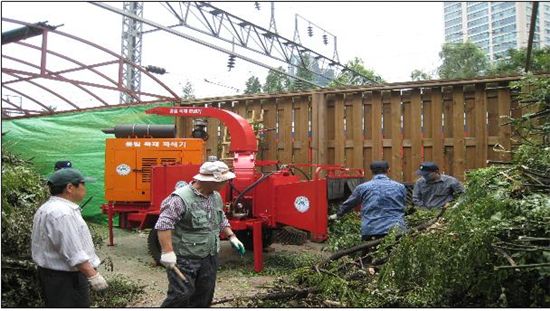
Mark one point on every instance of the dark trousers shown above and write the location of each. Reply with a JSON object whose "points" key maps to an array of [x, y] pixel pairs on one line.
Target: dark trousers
{"points": [[198, 290], [63, 289]]}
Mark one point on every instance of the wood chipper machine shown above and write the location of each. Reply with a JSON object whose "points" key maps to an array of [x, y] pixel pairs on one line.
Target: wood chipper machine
{"points": [[145, 163]]}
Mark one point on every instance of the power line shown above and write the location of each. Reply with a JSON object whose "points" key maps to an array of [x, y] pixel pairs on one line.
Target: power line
{"points": [[196, 40], [207, 19], [222, 85]]}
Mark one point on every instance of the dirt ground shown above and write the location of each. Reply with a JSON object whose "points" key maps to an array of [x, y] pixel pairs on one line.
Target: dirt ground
{"points": [[130, 258]]}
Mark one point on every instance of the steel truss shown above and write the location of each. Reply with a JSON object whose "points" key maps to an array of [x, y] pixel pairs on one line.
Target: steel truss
{"points": [[194, 39], [227, 27], [131, 46], [207, 19], [37, 74]]}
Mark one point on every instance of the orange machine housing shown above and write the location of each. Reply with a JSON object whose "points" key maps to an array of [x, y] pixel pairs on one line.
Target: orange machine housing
{"points": [[128, 163]]}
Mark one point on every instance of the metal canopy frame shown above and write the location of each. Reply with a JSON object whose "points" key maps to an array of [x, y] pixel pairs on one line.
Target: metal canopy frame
{"points": [[21, 73], [212, 21]]}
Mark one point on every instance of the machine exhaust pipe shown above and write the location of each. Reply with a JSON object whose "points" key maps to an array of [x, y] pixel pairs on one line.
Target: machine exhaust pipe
{"points": [[142, 130]]}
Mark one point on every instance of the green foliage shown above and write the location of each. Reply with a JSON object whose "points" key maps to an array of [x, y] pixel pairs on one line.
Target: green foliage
{"points": [[456, 266], [276, 82], [533, 127], [19, 282], [304, 71], [344, 232], [420, 216], [277, 264], [419, 75], [513, 62], [253, 85], [121, 292], [187, 91], [453, 263], [534, 90], [98, 234], [500, 218], [280, 263], [534, 157], [350, 78], [23, 191], [491, 249], [442, 268], [462, 60]]}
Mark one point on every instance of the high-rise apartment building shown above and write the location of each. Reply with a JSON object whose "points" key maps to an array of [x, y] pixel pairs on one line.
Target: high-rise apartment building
{"points": [[496, 26]]}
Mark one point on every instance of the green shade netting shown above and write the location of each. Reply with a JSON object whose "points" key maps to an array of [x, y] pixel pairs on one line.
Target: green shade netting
{"points": [[76, 137]]}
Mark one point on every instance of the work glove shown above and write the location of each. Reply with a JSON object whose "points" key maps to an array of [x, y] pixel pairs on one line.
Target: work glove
{"points": [[168, 260], [97, 282], [333, 217], [237, 245]]}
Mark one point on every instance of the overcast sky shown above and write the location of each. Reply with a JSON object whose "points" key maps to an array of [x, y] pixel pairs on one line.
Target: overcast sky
{"points": [[392, 38]]}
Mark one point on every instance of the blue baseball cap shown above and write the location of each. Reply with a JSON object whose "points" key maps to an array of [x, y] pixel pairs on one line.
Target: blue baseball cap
{"points": [[427, 168]]}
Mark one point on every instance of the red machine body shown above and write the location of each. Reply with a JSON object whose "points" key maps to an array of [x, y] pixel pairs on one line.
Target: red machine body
{"points": [[253, 201]]}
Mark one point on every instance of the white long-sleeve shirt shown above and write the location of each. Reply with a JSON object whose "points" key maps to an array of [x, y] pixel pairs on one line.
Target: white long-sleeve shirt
{"points": [[60, 237]]}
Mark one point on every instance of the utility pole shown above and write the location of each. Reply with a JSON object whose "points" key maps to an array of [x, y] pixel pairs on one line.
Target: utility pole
{"points": [[272, 25], [131, 49], [532, 27]]}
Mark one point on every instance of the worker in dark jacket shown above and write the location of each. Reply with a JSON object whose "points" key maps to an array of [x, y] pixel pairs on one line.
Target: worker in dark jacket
{"points": [[382, 203], [433, 189], [189, 225]]}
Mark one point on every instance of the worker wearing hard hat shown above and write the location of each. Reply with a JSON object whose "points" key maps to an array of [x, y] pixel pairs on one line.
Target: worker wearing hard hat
{"points": [[433, 189], [382, 203], [189, 224], [62, 245]]}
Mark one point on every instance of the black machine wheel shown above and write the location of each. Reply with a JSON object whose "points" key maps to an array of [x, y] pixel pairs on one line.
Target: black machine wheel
{"points": [[245, 236], [153, 245]]}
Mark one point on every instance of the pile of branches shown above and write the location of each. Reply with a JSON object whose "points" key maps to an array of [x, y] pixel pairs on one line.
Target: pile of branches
{"points": [[22, 194], [491, 248], [23, 191]]}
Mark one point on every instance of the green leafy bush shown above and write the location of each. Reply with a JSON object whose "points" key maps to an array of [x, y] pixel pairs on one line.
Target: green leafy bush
{"points": [[22, 194], [121, 292], [23, 191], [344, 232], [492, 249]]}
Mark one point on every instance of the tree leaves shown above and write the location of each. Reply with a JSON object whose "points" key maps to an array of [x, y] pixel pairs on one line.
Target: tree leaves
{"points": [[23, 191], [490, 250], [253, 85], [462, 60]]}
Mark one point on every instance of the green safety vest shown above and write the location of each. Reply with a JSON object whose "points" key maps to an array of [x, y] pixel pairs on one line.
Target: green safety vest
{"points": [[197, 234]]}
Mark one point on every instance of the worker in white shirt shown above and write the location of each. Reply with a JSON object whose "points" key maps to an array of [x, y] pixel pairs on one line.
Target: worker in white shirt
{"points": [[62, 245]]}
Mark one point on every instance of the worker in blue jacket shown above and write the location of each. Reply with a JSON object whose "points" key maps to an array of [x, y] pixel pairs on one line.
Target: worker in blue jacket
{"points": [[382, 203], [433, 189]]}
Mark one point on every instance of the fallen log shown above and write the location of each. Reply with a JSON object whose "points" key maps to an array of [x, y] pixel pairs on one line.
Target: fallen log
{"points": [[372, 243], [271, 296]]}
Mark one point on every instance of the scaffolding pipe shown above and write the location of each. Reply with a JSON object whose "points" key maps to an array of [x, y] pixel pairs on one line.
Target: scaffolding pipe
{"points": [[25, 32]]}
